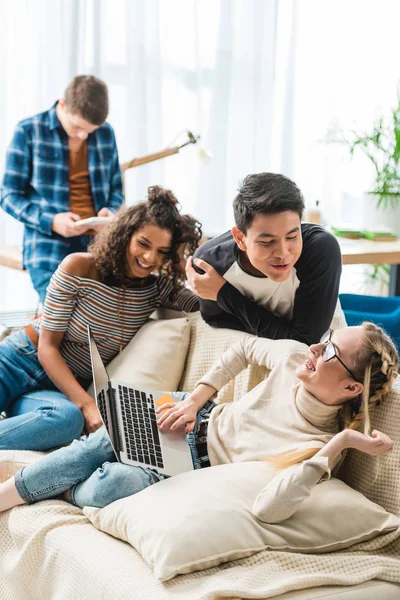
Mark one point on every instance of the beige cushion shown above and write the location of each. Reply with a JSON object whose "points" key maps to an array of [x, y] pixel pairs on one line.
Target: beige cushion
{"points": [[203, 518], [207, 344], [155, 357], [378, 477]]}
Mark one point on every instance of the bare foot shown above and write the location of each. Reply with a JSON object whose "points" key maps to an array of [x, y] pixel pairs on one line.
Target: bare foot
{"points": [[9, 496]]}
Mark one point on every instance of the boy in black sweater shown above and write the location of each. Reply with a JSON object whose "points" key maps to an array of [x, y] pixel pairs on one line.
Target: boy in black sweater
{"points": [[272, 275]]}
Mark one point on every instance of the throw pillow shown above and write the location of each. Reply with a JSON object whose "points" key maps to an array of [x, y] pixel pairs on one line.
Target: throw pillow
{"points": [[201, 519], [155, 358]]}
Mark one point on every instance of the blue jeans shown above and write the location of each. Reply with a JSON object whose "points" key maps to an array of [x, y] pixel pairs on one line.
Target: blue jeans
{"points": [[39, 417], [88, 467]]}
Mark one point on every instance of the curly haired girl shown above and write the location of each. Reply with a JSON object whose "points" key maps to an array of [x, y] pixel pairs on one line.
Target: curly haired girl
{"points": [[132, 267]]}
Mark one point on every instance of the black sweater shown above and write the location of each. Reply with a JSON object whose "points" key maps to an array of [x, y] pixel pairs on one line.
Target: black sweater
{"points": [[300, 308]]}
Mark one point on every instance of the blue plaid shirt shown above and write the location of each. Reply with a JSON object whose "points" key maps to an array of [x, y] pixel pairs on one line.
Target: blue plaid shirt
{"points": [[36, 185]]}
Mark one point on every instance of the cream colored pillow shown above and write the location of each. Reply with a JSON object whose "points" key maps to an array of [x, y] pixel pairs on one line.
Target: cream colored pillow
{"points": [[155, 357], [203, 518], [207, 344]]}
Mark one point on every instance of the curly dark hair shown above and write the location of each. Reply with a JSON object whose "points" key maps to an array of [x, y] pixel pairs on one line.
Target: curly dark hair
{"points": [[161, 208]]}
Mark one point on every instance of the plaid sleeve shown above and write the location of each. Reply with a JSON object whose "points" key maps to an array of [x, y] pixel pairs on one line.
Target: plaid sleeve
{"points": [[116, 196], [14, 201]]}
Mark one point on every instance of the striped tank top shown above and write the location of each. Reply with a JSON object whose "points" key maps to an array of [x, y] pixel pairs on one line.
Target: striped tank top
{"points": [[114, 314]]}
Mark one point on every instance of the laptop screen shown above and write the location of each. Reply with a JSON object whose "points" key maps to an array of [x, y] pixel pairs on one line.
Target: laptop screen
{"points": [[100, 376]]}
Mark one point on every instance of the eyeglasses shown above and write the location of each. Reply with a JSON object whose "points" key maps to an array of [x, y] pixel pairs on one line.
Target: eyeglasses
{"points": [[329, 351]]}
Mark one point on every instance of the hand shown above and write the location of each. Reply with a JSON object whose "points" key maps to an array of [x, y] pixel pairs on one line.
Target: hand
{"points": [[92, 417], [178, 414], [105, 212], [64, 224], [375, 445], [206, 286]]}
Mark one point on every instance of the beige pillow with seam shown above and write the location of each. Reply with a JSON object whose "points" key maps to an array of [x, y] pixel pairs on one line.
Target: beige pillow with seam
{"points": [[155, 358], [201, 519]]}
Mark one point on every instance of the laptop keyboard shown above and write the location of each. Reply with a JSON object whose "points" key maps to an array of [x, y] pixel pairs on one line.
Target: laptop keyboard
{"points": [[140, 427]]}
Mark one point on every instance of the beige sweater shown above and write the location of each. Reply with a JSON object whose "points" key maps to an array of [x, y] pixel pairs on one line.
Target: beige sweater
{"points": [[279, 415]]}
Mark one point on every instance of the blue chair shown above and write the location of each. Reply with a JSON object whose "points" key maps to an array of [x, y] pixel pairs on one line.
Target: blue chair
{"points": [[383, 311]]}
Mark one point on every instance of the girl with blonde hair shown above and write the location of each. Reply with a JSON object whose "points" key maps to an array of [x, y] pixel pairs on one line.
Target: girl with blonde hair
{"points": [[314, 404]]}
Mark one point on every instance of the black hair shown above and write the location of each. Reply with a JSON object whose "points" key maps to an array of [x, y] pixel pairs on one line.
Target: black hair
{"points": [[265, 193]]}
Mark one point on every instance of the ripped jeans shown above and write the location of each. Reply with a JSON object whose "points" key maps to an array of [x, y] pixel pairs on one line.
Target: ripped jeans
{"points": [[88, 468]]}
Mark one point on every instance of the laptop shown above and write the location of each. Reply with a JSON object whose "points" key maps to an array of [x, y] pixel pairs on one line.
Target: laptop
{"points": [[129, 416]]}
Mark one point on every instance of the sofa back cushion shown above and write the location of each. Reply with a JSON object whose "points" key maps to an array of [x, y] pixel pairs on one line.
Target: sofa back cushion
{"points": [[154, 359], [207, 344], [378, 478]]}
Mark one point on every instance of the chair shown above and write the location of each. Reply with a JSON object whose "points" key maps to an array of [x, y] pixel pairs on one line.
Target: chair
{"points": [[383, 311]]}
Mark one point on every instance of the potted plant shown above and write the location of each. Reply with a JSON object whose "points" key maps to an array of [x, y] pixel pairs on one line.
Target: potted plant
{"points": [[382, 147]]}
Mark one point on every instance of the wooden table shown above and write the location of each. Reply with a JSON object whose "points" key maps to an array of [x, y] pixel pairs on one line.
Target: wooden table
{"points": [[366, 252]]}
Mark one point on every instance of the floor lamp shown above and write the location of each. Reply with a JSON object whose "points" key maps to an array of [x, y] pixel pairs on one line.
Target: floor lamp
{"points": [[204, 155]]}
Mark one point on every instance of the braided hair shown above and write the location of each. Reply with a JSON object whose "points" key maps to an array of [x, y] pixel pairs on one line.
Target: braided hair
{"points": [[376, 365]]}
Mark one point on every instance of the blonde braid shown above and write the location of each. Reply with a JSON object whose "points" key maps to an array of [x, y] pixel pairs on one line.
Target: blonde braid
{"points": [[380, 360]]}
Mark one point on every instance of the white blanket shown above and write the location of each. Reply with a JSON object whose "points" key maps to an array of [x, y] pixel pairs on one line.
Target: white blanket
{"points": [[51, 551]]}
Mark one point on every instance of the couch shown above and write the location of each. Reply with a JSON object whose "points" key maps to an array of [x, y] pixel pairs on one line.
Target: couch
{"points": [[51, 551]]}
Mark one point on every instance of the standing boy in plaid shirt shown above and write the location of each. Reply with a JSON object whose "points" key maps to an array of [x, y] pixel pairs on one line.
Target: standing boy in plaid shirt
{"points": [[62, 166]]}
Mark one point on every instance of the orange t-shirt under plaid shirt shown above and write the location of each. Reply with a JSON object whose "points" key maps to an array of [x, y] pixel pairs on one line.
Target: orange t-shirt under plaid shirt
{"points": [[80, 192], [114, 314]]}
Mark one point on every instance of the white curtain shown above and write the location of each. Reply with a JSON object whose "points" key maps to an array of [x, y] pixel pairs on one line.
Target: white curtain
{"points": [[208, 66], [347, 70], [346, 74], [38, 58], [260, 80]]}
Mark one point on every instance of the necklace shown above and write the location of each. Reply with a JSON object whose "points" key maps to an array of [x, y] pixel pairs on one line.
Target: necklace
{"points": [[121, 314]]}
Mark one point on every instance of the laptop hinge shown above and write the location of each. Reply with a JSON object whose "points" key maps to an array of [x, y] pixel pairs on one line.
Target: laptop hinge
{"points": [[117, 441]]}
